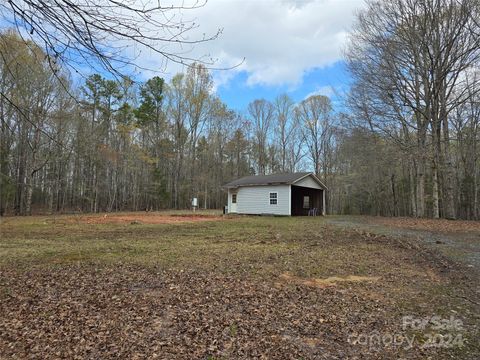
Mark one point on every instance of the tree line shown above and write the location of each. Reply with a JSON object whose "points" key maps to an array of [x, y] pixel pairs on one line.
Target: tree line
{"points": [[109, 145], [403, 143], [416, 82]]}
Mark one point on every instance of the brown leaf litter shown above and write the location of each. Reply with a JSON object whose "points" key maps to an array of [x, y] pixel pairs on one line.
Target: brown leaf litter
{"points": [[91, 312]]}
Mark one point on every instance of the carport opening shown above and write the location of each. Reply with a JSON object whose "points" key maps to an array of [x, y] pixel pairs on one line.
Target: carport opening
{"points": [[304, 200]]}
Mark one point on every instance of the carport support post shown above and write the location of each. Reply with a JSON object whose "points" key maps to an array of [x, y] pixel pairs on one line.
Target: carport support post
{"points": [[323, 201]]}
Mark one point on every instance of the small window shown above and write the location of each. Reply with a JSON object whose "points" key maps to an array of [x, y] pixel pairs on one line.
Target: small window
{"points": [[234, 198], [273, 198], [306, 202]]}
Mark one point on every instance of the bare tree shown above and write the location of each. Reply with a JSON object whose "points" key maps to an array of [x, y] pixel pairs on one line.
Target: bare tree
{"points": [[314, 114], [262, 114], [287, 126], [101, 34], [409, 59], [198, 86]]}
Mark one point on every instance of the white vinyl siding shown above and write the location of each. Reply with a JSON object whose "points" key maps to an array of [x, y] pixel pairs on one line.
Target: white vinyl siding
{"points": [[308, 182], [256, 200]]}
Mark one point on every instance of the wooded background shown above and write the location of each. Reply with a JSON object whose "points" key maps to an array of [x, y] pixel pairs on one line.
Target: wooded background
{"points": [[402, 143]]}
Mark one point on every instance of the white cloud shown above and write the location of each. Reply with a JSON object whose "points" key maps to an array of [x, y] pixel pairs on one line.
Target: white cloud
{"points": [[322, 90], [280, 40]]}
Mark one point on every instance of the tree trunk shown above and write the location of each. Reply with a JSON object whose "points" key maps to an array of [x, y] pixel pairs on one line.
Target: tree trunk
{"points": [[449, 176], [420, 195], [413, 201], [435, 207]]}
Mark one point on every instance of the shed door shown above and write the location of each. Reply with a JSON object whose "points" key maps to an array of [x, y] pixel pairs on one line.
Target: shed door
{"points": [[233, 203]]}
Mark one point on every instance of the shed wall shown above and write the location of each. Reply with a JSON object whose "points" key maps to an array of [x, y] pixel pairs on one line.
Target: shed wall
{"points": [[256, 200]]}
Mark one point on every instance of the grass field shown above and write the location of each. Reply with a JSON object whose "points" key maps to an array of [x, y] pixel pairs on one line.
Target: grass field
{"points": [[168, 285]]}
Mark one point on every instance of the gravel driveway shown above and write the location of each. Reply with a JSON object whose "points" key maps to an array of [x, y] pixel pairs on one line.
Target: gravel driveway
{"points": [[460, 246]]}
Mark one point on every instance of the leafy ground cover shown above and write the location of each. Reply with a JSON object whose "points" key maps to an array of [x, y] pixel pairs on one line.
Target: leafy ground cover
{"points": [[227, 288]]}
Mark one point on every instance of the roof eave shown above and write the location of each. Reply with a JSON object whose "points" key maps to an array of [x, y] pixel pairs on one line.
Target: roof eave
{"points": [[290, 182], [265, 184], [314, 176]]}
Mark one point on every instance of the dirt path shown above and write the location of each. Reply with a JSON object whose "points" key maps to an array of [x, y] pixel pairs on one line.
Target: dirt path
{"points": [[457, 241], [141, 218]]}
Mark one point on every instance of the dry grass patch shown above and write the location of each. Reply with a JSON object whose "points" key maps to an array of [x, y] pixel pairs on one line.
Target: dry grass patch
{"points": [[330, 281]]}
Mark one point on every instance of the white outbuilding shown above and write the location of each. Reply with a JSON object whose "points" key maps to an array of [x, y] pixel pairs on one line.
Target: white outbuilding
{"points": [[277, 194]]}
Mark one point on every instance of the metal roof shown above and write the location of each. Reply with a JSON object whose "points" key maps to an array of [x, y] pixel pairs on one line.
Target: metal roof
{"points": [[273, 179]]}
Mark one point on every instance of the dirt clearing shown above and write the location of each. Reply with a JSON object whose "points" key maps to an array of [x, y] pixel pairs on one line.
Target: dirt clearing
{"points": [[137, 218]]}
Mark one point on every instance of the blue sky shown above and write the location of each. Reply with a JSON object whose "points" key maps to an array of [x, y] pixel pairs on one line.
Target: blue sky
{"points": [[331, 81]]}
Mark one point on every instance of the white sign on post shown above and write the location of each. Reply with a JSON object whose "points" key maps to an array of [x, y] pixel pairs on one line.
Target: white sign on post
{"points": [[194, 203]]}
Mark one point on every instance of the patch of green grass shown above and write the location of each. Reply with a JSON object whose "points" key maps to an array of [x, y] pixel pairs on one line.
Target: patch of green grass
{"points": [[233, 329], [255, 245]]}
